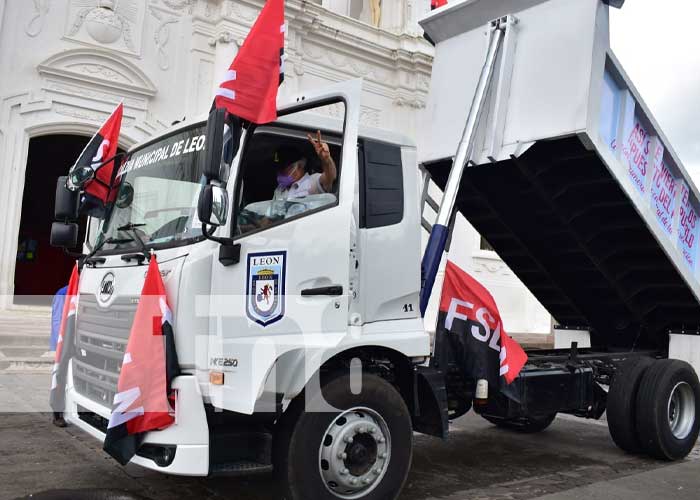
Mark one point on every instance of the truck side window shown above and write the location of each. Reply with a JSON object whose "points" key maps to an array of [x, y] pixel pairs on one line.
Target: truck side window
{"points": [[381, 184], [282, 177]]}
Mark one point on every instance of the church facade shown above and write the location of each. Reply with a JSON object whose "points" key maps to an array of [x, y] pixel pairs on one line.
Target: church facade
{"points": [[66, 65]]}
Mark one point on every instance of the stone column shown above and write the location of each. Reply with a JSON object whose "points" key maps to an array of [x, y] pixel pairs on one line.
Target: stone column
{"points": [[338, 6], [393, 16]]}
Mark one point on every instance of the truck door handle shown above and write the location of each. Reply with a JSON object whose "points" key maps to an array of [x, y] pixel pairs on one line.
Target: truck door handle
{"points": [[323, 290]]}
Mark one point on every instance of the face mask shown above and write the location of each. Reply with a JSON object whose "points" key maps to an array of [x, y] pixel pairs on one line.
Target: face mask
{"points": [[284, 181]]}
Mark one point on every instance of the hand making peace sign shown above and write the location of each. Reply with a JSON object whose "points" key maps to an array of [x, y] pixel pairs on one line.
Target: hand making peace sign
{"points": [[319, 145]]}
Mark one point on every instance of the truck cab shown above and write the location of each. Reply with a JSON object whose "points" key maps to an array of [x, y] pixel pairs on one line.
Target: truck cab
{"points": [[298, 285]]}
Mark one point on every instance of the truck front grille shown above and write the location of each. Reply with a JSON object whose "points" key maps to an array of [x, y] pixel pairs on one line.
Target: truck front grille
{"points": [[101, 337]]}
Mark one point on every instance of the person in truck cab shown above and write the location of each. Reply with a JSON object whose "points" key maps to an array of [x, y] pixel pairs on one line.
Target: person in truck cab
{"points": [[292, 179], [297, 190]]}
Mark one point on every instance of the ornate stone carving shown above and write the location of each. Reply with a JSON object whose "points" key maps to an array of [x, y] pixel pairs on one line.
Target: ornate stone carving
{"points": [[297, 67], [235, 10], [370, 116], [409, 103], [225, 37], [36, 23], [107, 22], [101, 71], [423, 83], [335, 110], [87, 114], [161, 37], [83, 92], [178, 4], [97, 67], [493, 266], [322, 55], [104, 25]]}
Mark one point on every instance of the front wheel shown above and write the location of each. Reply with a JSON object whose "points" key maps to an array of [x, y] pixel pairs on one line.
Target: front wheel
{"points": [[361, 450]]}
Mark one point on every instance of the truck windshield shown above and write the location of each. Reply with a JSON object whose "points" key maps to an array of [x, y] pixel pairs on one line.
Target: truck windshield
{"points": [[156, 198]]}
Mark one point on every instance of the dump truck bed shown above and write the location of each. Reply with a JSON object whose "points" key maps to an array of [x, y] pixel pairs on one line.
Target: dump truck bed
{"points": [[572, 182]]}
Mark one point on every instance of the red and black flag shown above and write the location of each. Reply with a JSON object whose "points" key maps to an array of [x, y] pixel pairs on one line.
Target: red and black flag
{"points": [[434, 4], [145, 400], [99, 155], [469, 316], [249, 89], [65, 346]]}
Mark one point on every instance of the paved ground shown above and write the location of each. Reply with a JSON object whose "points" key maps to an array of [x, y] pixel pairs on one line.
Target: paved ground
{"points": [[573, 459]]}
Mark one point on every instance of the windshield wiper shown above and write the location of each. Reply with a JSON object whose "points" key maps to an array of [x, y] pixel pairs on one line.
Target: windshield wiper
{"points": [[131, 228], [91, 259]]}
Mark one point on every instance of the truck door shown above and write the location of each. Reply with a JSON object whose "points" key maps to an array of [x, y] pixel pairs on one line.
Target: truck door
{"points": [[293, 275]]}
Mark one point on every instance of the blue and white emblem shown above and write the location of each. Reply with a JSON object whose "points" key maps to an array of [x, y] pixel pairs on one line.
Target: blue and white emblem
{"points": [[266, 286]]}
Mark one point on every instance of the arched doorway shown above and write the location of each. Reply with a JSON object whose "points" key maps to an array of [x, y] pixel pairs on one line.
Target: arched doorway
{"points": [[40, 269]]}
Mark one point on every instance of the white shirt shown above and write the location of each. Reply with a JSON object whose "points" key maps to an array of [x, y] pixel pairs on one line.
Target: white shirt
{"points": [[309, 184]]}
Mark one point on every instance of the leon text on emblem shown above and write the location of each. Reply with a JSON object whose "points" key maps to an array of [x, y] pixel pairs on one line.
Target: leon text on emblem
{"points": [[266, 286]]}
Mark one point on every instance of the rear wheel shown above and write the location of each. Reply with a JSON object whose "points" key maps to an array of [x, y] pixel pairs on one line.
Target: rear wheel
{"points": [[362, 451], [526, 425], [668, 407], [622, 401]]}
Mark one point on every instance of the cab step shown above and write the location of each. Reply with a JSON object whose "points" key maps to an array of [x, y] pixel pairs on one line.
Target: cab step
{"points": [[240, 468]]}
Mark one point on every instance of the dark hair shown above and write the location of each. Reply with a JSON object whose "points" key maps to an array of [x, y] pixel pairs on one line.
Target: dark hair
{"points": [[286, 155]]}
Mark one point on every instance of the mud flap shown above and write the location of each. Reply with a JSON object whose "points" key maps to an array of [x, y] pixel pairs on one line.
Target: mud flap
{"points": [[430, 408]]}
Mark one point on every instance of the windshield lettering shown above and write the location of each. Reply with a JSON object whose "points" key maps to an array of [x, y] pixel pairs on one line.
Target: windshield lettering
{"points": [[157, 192], [184, 146]]}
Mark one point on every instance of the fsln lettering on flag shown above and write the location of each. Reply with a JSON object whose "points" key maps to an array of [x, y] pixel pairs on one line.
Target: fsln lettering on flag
{"points": [[469, 313]]}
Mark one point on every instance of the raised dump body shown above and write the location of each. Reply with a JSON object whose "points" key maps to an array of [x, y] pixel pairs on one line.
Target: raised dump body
{"points": [[572, 181]]}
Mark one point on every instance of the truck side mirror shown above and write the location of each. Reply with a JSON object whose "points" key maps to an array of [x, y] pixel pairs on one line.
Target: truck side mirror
{"points": [[67, 201], [64, 235], [214, 145], [213, 205], [78, 176]]}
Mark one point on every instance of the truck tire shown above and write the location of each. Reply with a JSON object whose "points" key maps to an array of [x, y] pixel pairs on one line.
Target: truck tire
{"points": [[363, 451], [668, 409], [525, 425], [622, 402]]}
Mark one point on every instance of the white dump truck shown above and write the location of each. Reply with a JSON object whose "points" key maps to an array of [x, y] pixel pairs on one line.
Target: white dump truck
{"points": [[535, 134]]}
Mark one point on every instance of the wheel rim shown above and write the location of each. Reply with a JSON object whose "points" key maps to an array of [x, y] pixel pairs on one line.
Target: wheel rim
{"points": [[681, 410], [354, 453]]}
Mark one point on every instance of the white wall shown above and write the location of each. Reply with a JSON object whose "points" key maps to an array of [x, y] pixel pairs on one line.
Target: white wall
{"points": [[65, 66]]}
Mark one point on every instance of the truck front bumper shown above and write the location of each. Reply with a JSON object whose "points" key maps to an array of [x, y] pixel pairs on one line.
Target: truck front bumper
{"points": [[188, 436]]}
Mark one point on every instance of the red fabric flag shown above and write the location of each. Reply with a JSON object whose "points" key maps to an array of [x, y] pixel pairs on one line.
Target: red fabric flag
{"points": [[468, 310], [144, 394], [65, 346], [249, 89], [103, 146], [434, 4]]}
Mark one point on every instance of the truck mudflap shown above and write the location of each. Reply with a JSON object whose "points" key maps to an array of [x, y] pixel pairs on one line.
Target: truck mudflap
{"points": [[431, 411], [181, 449]]}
